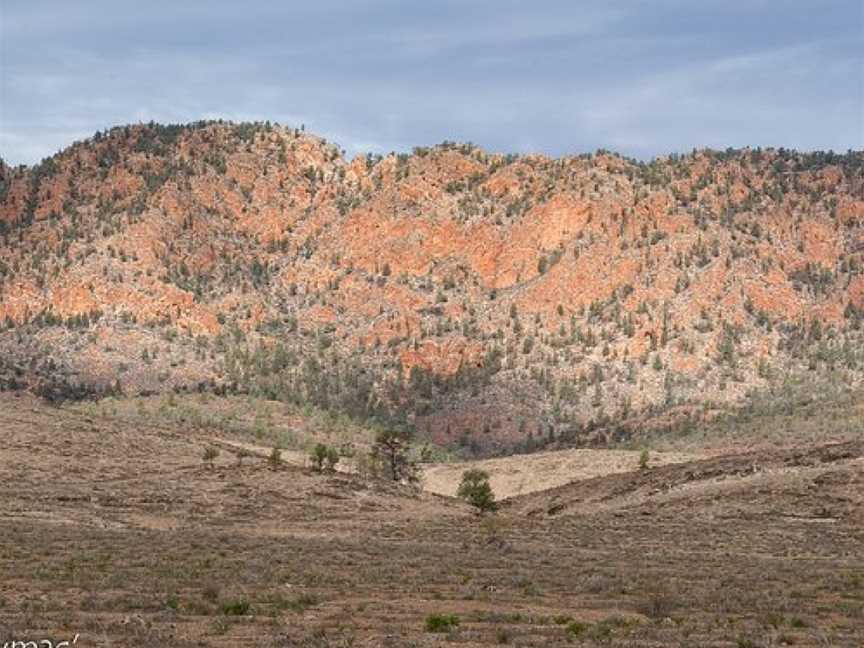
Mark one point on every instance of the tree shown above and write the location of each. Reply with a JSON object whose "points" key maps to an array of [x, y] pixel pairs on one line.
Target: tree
{"points": [[475, 490], [391, 446]]}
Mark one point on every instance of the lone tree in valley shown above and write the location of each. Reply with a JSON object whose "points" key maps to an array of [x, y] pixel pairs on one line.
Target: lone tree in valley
{"points": [[391, 448], [475, 490]]}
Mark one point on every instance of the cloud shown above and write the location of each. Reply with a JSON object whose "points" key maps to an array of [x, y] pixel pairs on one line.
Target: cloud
{"points": [[557, 77]]}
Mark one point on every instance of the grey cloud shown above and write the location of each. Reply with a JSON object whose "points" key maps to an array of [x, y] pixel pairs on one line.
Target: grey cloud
{"points": [[644, 78]]}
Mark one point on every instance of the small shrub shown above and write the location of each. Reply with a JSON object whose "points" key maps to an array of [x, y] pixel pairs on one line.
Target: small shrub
{"points": [[302, 602], [237, 607], [441, 622], [644, 457], [324, 456], [275, 458], [319, 454], [600, 631], [576, 628], [210, 455], [332, 458]]}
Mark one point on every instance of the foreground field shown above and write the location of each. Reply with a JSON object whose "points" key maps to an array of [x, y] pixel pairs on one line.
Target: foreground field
{"points": [[119, 533]]}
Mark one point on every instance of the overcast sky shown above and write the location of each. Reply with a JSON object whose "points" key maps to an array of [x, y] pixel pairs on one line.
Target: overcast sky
{"points": [[639, 77]]}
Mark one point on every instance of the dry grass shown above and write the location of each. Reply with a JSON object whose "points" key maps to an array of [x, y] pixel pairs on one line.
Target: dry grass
{"points": [[118, 531]]}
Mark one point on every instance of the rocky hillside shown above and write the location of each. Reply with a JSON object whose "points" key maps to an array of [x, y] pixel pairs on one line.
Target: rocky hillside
{"points": [[494, 301]]}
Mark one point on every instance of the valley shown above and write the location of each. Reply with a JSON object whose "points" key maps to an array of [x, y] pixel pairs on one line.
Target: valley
{"points": [[119, 532]]}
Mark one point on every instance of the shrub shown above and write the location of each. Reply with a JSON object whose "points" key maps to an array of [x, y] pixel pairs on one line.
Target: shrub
{"points": [[332, 458], [441, 622], [302, 602], [600, 631], [475, 490], [237, 607], [644, 457], [542, 265], [576, 628], [210, 455], [275, 458], [319, 454], [324, 456]]}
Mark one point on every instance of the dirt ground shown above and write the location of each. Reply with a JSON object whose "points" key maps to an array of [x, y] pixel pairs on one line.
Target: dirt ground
{"points": [[522, 474], [120, 534]]}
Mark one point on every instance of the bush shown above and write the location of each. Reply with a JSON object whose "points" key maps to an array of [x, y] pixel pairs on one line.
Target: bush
{"points": [[576, 628], [302, 602], [210, 455], [319, 454], [324, 456], [475, 490], [441, 622], [237, 607], [643, 460], [275, 458]]}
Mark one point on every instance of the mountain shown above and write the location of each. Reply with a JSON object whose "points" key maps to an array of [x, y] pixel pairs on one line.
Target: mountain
{"points": [[496, 302]]}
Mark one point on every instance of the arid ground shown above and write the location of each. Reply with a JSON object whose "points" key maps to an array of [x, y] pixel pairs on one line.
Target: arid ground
{"points": [[118, 532]]}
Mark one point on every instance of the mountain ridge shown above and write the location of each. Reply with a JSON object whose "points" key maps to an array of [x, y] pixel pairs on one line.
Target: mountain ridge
{"points": [[493, 301]]}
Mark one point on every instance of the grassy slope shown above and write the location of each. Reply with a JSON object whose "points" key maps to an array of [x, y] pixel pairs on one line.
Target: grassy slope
{"points": [[114, 529]]}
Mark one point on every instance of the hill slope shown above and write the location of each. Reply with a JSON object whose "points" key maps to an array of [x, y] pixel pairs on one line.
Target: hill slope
{"points": [[140, 543], [496, 301]]}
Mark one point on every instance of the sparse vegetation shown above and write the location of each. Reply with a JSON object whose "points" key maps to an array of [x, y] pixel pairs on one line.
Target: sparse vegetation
{"points": [[275, 458], [210, 455], [236, 607], [324, 456], [644, 458], [270, 547], [441, 622]]}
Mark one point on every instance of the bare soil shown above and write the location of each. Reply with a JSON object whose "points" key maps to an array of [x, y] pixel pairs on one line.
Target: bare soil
{"points": [[521, 474]]}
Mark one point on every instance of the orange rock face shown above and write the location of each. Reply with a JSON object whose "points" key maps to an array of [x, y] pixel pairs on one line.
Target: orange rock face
{"points": [[552, 293]]}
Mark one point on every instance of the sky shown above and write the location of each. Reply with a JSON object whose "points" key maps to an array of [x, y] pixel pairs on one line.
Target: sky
{"points": [[643, 78]]}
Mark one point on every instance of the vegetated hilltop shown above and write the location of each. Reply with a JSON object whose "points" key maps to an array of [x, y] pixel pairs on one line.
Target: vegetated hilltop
{"points": [[495, 301]]}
